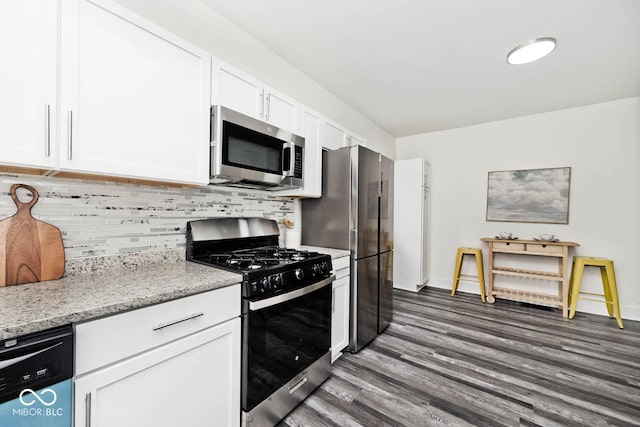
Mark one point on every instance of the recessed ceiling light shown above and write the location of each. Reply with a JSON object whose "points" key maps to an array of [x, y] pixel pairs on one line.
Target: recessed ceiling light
{"points": [[531, 51]]}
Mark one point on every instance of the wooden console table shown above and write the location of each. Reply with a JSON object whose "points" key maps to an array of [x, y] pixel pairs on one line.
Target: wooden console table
{"points": [[559, 250]]}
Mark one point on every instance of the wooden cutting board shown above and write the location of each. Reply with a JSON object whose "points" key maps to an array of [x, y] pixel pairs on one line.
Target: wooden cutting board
{"points": [[30, 250]]}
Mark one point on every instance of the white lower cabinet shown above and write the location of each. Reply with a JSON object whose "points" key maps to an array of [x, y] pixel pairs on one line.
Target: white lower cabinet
{"points": [[192, 381], [340, 308]]}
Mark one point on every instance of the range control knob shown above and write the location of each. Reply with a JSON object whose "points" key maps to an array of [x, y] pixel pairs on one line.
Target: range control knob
{"points": [[299, 274], [316, 269], [276, 281], [325, 268], [264, 284]]}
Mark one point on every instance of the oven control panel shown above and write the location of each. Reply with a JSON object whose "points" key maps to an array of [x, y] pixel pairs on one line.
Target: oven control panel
{"points": [[290, 278]]}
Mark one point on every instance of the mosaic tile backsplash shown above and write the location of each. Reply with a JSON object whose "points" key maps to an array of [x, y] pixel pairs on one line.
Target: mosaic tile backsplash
{"points": [[99, 218]]}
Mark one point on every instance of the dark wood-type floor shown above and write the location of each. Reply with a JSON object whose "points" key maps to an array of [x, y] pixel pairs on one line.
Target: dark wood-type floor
{"points": [[459, 362]]}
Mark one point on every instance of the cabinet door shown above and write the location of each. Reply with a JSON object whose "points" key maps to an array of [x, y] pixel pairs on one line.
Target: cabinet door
{"points": [[425, 252], [240, 92], [28, 78], [340, 317], [281, 111], [311, 129], [194, 381], [353, 140], [134, 98], [334, 136]]}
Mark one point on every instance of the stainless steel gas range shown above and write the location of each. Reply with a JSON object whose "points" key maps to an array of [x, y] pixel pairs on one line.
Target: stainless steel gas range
{"points": [[286, 311]]}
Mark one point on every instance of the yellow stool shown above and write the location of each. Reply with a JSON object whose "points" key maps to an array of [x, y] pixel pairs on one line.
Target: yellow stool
{"points": [[608, 283], [477, 253]]}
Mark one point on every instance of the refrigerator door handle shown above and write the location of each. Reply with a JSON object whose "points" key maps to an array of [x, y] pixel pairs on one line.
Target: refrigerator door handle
{"points": [[354, 238]]}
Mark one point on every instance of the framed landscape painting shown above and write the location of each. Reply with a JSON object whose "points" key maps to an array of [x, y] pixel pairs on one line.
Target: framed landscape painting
{"points": [[530, 195]]}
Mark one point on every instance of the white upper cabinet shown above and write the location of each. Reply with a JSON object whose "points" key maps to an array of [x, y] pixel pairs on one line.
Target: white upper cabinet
{"points": [[241, 92], [134, 98], [89, 86], [311, 125], [335, 136], [353, 140], [280, 110], [237, 90], [28, 79]]}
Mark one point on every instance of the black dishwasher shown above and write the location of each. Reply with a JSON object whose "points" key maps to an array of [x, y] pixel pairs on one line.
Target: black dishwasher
{"points": [[35, 379]]}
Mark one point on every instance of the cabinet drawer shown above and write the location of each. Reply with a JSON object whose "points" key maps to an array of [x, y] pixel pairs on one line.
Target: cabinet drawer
{"points": [[107, 340], [342, 273], [340, 263], [545, 249], [508, 246]]}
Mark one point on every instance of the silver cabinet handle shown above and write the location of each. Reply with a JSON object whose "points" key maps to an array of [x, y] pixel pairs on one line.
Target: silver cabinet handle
{"points": [[70, 136], [87, 410], [47, 130], [333, 302], [267, 107], [262, 104], [175, 322]]}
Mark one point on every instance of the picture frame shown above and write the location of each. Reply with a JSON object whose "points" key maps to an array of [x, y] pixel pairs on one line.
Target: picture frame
{"points": [[529, 195]]}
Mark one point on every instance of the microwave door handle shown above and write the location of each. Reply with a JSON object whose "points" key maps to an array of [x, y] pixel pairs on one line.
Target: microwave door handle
{"points": [[290, 167]]}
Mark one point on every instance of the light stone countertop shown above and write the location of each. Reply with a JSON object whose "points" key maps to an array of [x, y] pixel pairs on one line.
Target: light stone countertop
{"points": [[103, 286], [38, 306], [335, 253]]}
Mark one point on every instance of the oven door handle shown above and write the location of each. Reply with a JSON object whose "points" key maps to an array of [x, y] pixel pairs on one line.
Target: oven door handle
{"points": [[268, 302]]}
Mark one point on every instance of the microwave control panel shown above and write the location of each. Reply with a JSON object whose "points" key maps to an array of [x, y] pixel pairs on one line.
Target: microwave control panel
{"points": [[297, 168]]}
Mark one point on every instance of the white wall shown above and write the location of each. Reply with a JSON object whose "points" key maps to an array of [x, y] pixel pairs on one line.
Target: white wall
{"points": [[601, 143], [200, 25]]}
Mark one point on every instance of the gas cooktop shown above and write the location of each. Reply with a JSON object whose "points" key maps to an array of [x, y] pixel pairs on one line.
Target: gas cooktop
{"points": [[257, 259], [248, 246], [270, 270]]}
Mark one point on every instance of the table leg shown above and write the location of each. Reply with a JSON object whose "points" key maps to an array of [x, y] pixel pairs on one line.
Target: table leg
{"points": [[490, 298], [564, 273]]}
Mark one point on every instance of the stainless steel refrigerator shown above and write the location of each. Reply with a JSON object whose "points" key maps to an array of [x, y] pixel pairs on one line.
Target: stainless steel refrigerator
{"points": [[355, 212]]}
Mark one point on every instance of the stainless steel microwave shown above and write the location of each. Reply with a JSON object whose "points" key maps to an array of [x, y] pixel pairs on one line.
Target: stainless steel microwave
{"points": [[250, 153]]}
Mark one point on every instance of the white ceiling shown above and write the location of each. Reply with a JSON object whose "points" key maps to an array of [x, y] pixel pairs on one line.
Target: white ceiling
{"points": [[415, 66]]}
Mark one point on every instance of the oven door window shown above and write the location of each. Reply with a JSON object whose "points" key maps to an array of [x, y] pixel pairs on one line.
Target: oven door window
{"points": [[248, 149], [281, 341]]}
